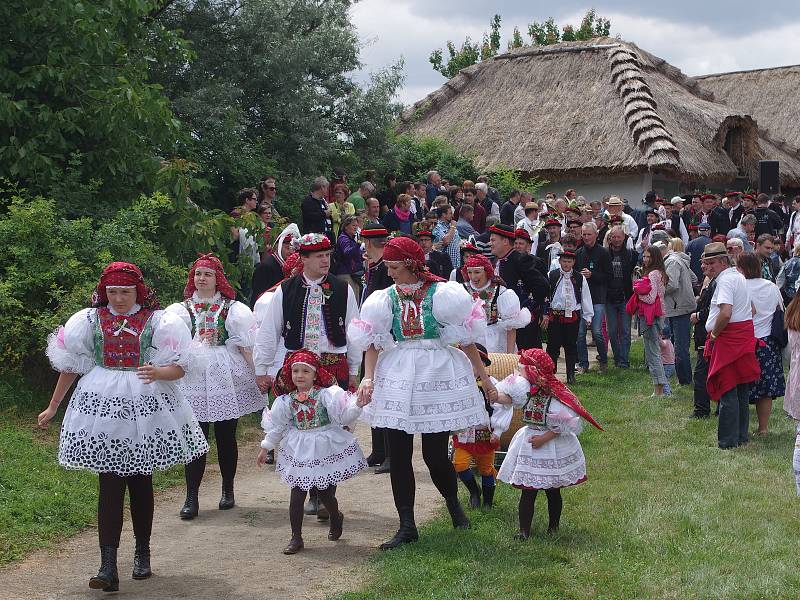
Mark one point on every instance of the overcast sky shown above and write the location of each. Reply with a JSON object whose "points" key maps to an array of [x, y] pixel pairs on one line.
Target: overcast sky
{"points": [[697, 36]]}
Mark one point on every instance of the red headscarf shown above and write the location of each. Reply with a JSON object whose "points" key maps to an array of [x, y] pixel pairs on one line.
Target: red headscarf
{"points": [[479, 260], [283, 381], [409, 252], [124, 274], [209, 261], [540, 373], [293, 265]]}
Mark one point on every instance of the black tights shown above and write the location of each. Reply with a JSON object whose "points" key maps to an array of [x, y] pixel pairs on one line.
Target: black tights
{"points": [[227, 453], [526, 502], [111, 503], [298, 498], [434, 451]]}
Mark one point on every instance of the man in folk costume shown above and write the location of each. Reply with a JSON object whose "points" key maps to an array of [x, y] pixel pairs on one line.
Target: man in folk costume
{"points": [[437, 261], [730, 347], [532, 223], [310, 310], [549, 250], [270, 271], [523, 243], [525, 275]]}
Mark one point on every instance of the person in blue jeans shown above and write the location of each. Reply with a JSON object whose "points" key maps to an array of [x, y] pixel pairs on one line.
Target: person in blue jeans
{"points": [[620, 289], [679, 304], [594, 263]]}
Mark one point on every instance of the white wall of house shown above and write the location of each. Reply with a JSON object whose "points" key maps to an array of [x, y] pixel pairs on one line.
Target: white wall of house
{"points": [[631, 187]]}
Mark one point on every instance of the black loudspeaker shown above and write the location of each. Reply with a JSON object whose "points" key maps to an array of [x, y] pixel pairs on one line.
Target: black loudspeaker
{"points": [[768, 177]]}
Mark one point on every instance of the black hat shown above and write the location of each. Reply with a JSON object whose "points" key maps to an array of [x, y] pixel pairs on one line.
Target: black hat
{"points": [[506, 231]]}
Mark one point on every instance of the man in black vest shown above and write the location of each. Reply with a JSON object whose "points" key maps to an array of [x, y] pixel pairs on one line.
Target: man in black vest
{"points": [[570, 301], [522, 273], [437, 261], [310, 310]]}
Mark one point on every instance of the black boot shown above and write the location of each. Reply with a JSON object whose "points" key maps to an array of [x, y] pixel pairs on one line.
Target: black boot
{"points": [[107, 578], [407, 532], [141, 560], [227, 500], [474, 492], [571, 378], [460, 520], [488, 495], [312, 506], [192, 506], [384, 467]]}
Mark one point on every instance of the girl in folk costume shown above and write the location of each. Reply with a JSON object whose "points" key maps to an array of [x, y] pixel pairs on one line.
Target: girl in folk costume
{"points": [[227, 389], [306, 424], [126, 416], [545, 454], [421, 384], [479, 443], [501, 305]]}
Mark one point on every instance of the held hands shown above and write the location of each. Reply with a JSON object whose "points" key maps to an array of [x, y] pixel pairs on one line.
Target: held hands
{"points": [[352, 383], [264, 382], [44, 418], [364, 393], [261, 459], [491, 391]]}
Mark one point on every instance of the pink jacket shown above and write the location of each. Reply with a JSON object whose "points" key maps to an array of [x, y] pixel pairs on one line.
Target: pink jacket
{"points": [[646, 299]]}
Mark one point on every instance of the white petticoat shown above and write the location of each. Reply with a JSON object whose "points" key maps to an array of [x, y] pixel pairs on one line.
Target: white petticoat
{"points": [[115, 423], [425, 386], [558, 463], [318, 457], [225, 390]]}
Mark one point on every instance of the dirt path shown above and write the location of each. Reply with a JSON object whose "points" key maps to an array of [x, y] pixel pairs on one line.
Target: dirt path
{"points": [[232, 554]]}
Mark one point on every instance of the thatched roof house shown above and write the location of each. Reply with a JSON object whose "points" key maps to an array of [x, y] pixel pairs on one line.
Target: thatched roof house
{"points": [[603, 116]]}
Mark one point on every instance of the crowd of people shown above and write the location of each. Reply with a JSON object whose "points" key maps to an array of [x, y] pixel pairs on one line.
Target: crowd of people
{"points": [[387, 307]]}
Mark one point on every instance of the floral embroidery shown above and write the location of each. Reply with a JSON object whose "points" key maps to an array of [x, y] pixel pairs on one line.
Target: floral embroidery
{"points": [[307, 411], [120, 341], [535, 410], [412, 314], [209, 318]]}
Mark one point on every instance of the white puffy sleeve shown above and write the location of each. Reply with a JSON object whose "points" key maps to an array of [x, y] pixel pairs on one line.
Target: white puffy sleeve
{"points": [[374, 326], [463, 319], [511, 316], [71, 348], [562, 419], [179, 310], [500, 420], [241, 326], [276, 423], [515, 386], [173, 344], [341, 405]]}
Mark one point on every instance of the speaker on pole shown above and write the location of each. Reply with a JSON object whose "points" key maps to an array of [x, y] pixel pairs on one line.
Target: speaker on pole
{"points": [[769, 177]]}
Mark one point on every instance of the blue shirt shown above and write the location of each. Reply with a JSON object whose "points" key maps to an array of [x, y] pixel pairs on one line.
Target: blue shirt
{"points": [[453, 249], [694, 249]]}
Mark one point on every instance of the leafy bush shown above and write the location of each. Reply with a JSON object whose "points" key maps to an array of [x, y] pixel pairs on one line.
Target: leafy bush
{"points": [[507, 180], [411, 157]]}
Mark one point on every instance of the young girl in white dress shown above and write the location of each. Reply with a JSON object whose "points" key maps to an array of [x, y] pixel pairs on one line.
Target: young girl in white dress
{"points": [[227, 389], [305, 426], [545, 454], [127, 416]]}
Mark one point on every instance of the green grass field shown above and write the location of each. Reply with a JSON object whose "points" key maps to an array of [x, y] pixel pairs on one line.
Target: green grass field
{"points": [[665, 514]]}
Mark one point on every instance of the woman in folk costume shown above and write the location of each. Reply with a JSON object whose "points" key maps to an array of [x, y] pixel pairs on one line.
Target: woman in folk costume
{"points": [[421, 384], [501, 305], [306, 424], [126, 416], [270, 270], [545, 454], [227, 389]]}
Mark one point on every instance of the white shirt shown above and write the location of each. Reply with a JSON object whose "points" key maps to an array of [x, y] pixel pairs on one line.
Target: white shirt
{"points": [[269, 334], [533, 228], [766, 299], [564, 297], [628, 224], [682, 233], [731, 289], [793, 232]]}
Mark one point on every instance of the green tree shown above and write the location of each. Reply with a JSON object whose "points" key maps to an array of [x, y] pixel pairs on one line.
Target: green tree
{"points": [[547, 33], [469, 53]]}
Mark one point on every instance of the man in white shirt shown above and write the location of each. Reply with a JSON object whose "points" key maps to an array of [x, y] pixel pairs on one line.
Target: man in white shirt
{"points": [[615, 206], [570, 301], [531, 223], [793, 230], [730, 347]]}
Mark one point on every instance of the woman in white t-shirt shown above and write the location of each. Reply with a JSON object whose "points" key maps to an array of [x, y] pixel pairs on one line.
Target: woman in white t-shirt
{"points": [[765, 298]]}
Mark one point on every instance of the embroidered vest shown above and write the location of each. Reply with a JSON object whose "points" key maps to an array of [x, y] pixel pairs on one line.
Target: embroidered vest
{"points": [[577, 284], [489, 297], [412, 317], [295, 305], [309, 414], [534, 412], [120, 341], [211, 319]]}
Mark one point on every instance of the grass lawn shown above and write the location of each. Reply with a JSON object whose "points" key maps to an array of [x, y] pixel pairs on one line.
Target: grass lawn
{"points": [[41, 502], [665, 514]]}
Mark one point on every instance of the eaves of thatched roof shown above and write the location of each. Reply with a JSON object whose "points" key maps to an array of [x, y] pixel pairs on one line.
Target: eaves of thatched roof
{"points": [[584, 108]]}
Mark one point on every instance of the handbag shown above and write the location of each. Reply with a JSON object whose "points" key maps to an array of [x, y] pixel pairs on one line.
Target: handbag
{"points": [[778, 331]]}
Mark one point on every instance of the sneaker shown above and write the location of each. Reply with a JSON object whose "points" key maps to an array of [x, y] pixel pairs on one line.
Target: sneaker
{"points": [[581, 370]]}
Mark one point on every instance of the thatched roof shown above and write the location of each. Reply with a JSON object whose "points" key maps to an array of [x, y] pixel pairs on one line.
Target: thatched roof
{"points": [[585, 108]]}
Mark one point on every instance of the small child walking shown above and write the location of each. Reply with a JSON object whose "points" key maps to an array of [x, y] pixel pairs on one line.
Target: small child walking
{"points": [[305, 426], [668, 359], [545, 454]]}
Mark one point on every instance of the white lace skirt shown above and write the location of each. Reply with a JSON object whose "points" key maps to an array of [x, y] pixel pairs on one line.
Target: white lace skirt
{"points": [[424, 386], [115, 423], [318, 457], [225, 390], [558, 463]]}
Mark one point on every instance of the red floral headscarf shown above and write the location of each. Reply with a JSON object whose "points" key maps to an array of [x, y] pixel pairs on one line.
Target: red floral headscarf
{"points": [[123, 274], [283, 381], [293, 265], [408, 252], [209, 261], [479, 260], [540, 373]]}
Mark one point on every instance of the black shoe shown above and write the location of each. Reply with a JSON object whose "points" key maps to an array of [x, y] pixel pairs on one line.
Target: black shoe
{"points": [[312, 506], [474, 492], [488, 496], [227, 501], [335, 531], [522, 535], [699, 416], [141, 560], [384, 467], [107, 578], [294, 546], [552, 530], [270, 458], [322, 513], [374, 461], [571, 378], [191, 507], [407, 532], [460, 520]]}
